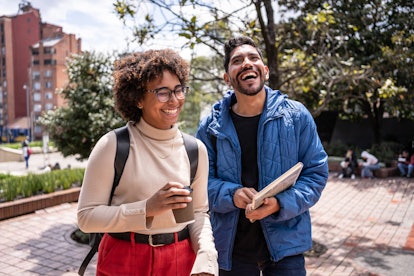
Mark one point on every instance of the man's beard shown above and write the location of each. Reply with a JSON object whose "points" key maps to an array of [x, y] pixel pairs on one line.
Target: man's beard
{"points": [[249, 91]]}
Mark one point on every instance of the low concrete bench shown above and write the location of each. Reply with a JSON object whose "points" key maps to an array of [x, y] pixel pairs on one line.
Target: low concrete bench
{"points": [[386, 172], [10, 155]]}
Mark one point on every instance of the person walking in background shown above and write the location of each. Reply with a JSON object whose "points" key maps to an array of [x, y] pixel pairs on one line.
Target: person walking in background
{"points": [[349, 165], [369, 165], [254, 135], [406, 163], [26, 152], [142, 236]]}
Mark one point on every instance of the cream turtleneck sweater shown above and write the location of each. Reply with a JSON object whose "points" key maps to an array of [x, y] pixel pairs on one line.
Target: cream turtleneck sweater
{"points": [[156, 157]]}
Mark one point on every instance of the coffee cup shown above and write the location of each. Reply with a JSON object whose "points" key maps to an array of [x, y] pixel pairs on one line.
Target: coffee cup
{"points": [[185, 214]]}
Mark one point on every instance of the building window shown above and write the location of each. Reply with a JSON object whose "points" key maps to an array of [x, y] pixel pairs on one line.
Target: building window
{"points": [[36, 75], [48, 73], [49, 106], [37, 97], [50, 62], [36, 85], [37, 107], [35, 62], [49, 50], [48, 84], [35, 52], [48, 95]]}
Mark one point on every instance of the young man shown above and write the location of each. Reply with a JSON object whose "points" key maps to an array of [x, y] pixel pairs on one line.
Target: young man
{"points": [[254, 135]]}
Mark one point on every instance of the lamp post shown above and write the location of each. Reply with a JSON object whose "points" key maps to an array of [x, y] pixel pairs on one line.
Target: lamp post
{"points": [[26, 87]]}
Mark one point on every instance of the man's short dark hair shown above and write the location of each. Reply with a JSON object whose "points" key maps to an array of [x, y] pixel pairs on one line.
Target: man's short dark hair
{"points": [[235, 42]]}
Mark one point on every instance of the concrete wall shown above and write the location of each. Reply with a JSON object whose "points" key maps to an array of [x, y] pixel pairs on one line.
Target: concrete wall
{"points": [[10, 155], [333, 129]]}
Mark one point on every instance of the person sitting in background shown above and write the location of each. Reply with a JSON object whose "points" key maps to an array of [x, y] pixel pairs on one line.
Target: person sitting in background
{"points": [[405, 163], [56, 166], [369, 165], [349, 165]]}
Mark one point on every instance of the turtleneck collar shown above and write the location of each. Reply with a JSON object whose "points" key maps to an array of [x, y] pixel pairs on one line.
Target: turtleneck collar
{"points": [[156, 133]]}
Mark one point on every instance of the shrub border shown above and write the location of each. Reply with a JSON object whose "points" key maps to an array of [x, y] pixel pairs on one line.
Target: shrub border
{"points": [[31, 204]]}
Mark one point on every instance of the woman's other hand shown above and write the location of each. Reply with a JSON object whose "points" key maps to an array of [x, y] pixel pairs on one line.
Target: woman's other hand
{"points": [[171, 196]]}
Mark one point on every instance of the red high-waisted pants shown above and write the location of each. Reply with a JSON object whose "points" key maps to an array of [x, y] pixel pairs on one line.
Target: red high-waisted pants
{"points": [[121, 258]]}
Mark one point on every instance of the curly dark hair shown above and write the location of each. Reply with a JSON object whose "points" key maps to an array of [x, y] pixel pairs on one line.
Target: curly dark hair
{"points": [[235, 42], [133, 72]]}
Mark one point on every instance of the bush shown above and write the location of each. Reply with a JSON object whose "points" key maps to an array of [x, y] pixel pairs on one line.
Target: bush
{"points": [[15, 187], [338, 148], [386, 152], [32, 144]]}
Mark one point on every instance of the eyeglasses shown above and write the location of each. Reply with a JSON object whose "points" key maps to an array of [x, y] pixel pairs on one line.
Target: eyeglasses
{"points": [[164, 94]]}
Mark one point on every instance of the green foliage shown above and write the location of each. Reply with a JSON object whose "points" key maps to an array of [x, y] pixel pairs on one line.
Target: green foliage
{"points": [[15, 187], [336, 149], [32, 144], [203, 93], [89, 112], [360, 57], [354, 57], [386, 152]]}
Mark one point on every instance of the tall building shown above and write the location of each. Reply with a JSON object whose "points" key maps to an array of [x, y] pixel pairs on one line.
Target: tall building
{"points": [[32, 66]]}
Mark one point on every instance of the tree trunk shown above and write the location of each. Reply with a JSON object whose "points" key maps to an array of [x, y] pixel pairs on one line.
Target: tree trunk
{"points": [[269, 35]]}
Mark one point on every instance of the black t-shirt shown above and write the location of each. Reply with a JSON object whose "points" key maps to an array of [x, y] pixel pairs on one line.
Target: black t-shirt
{"points": [[250, 244]]}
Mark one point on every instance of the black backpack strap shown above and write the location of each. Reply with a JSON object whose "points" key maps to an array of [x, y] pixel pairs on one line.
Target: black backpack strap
{"points": [[91, 253], [191, 146], [121, 156]]}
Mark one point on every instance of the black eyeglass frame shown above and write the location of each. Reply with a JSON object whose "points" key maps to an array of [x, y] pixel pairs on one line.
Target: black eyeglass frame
{"points": [[184, 91]]}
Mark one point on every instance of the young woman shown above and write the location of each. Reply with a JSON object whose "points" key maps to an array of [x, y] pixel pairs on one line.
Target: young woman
{"points": [[142, 236]]}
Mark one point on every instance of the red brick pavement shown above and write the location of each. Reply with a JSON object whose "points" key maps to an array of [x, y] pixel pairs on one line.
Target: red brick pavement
{"points": [[358, 218], [409, 245], [366, 225]]}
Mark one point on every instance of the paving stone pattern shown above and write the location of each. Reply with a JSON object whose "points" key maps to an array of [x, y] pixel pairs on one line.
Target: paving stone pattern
{"points": [[366, 225]]}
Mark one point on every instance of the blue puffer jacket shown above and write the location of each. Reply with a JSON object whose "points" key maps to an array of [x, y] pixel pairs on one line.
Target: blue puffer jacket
{"points": [[286, 134]]}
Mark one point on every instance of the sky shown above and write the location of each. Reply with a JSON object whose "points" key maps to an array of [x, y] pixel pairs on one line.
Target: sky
{"points": [[92, 21], [96, 23]]}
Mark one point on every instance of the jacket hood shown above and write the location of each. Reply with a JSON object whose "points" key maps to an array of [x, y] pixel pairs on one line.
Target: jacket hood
{"points": [[365, 154]]}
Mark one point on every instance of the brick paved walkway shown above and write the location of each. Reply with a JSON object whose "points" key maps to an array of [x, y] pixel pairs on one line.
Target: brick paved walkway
{"points": [[367, 226]]}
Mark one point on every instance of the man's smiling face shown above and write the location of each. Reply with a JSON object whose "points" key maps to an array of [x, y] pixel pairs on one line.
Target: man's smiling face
{"points": [[247, 72]]}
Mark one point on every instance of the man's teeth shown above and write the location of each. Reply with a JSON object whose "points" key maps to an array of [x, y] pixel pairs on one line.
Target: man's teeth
{"points": [[249, 75]]}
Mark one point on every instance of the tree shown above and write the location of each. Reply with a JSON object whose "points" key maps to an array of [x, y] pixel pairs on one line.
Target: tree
{"points": [[89, 110], [332, 55], [207, 88], [369, 73], [208, 26]]}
